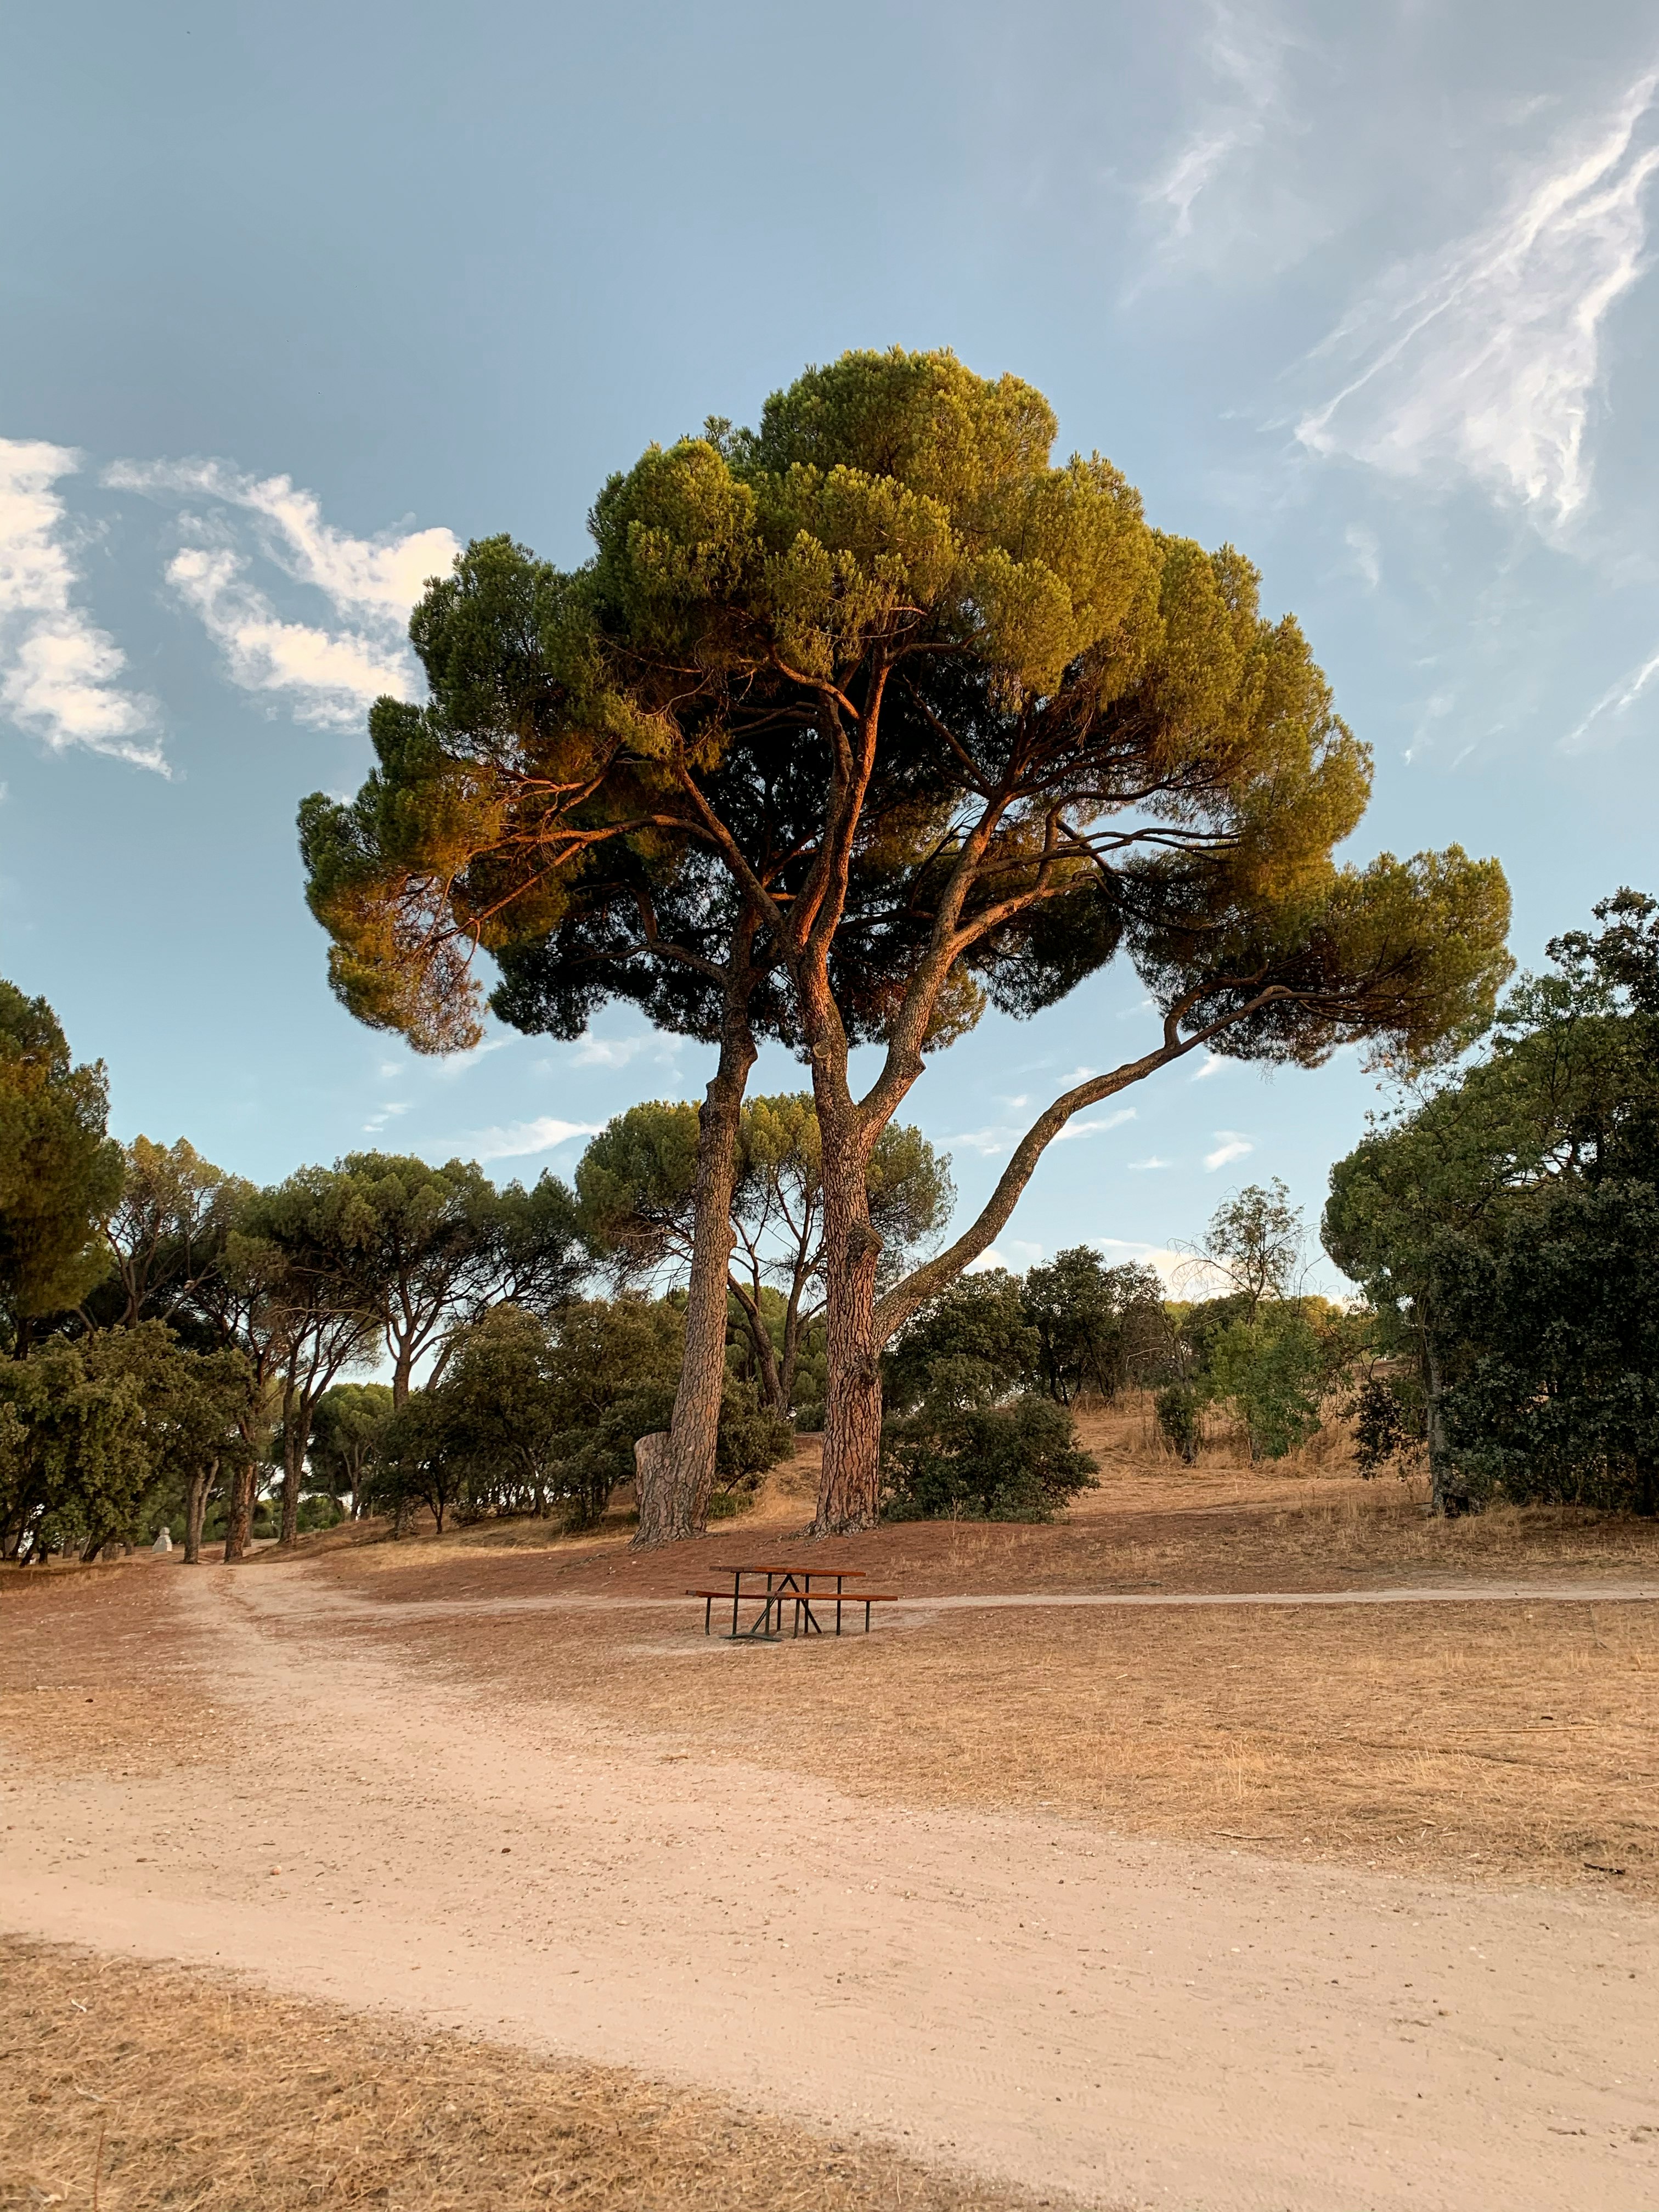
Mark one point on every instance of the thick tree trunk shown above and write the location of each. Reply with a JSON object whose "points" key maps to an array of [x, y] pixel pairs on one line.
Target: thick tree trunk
{"points": [[1449, 1494], [294, 1457], [196, 1498], [849, 1487], [653, 1488], [680, 1507], [239, 1515], [766, 1357]]}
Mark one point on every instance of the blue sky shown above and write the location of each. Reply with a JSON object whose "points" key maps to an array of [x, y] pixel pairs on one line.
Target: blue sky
{"points": [[296, 297]]}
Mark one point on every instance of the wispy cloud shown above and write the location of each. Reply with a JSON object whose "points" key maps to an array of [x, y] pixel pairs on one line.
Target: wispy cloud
{"points": [[454, 1065], [1232, 1146], [1612, 707], [987, 1142], [1367, 553], [593, 1051], [1484, 361], [1094, 1129], [328, 673], [1244, 56], [1212, 1064], [518, 1139], [59, 673], [1174, 1266], [378, 1120], [1143, 1167]]}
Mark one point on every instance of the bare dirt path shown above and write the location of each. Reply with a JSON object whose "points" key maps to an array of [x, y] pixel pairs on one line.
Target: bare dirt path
{"points": [[1587, 1593], [1141, 2024]]}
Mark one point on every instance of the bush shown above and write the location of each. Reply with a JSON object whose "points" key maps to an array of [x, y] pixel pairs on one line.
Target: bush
{"points": [[1016, 1461], [1179, 1410]]}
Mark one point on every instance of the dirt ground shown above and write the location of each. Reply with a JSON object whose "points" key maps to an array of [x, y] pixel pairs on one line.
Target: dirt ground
{"points": [[173, 2088], [1296, 1904]]}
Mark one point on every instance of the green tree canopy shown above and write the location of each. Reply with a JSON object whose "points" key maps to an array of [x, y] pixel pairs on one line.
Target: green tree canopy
{"points": [[1098, 1327], [636, 1184], [1497, 1226], [1020, 732], [60, 1173]]}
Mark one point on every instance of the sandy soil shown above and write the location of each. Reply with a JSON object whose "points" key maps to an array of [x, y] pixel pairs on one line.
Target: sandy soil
{"points": [[238, 1774]]}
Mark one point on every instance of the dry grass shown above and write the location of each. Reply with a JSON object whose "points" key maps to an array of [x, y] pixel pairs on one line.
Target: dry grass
{"points": [[135, 2087], [1306, 1523], [1489, 1743]]}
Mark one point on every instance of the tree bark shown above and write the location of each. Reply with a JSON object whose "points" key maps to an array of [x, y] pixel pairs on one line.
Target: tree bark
{"points": [[849, 1487], [196, 1498], [238, 1518], [293, 1456], [681, 1508], [652, 1488], [1449, 1494]]}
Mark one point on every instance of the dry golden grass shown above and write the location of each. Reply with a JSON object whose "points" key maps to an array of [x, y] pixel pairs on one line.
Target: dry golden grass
{"points": [[1492, 1742], [1308, 1523], [134, 2087]]}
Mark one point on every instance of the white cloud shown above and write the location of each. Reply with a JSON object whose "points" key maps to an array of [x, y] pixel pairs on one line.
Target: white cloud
{"points": [[987, 1142], [1367, 553], [456, 1064], [378, 1121], [58, 671], [1231, 1147], [333, 678], [1141, 1167], [1484, 361], [617, 1052], [1212, 1064], [986, 1261], [1612, 706], [1174, 1266], [1093, 1128], [518, 1139], [330, 673], [1244, 56]]}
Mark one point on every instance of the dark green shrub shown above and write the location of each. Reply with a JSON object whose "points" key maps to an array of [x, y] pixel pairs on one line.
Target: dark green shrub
{"points": [[1179, 1410], [1016, 1461]]}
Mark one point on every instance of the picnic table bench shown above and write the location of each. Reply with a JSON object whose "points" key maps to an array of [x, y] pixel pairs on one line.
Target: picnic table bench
{"points": [[788, 1583]]}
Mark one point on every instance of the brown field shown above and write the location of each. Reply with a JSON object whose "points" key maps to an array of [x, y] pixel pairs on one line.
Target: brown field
{"points": [[136, 2087], [1495, 1745]]}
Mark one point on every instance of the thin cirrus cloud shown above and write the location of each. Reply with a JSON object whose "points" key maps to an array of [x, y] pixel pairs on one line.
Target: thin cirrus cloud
{"points": [[1484, 361], [327, 674], [518, 1140], [1243, 60], [59, 673], [991, 1142], [1230, 1146], [1605, 718]]}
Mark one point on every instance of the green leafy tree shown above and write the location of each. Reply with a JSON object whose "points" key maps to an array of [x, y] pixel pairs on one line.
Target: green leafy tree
{"points": [[637, 1182], [972, 1344], [1097, 1327], [348, 1436], [1015, 1462], [1020, 733], [166, 1235], [1255, 1239], [293, 1248], [1497, 1227], [59, 1171], [109, 1429]]}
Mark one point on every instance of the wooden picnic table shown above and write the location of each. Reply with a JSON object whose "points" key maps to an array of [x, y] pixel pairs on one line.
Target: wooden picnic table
{"points": [[788, 1582]]}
